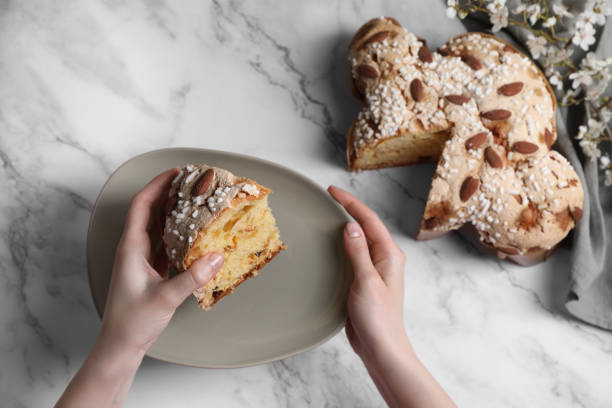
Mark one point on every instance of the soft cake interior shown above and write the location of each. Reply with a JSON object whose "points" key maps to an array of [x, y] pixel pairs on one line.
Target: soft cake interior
{"points": [[407, 148], [248, 238]]}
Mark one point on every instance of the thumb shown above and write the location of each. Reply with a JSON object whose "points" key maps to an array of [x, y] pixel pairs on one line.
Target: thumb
{"points": [[198, 275], [357, 250]]}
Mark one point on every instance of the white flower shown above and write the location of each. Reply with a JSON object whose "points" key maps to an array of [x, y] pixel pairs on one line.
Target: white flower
{"points": [[580, 78], [556, 81], [520, 8], [496, 5], [534, 13], [608, 179], [596, 127], [569, 95], [590, 148], [554, 55], [551, 21], [451, 11], [604, 161], [561, 10], [591, 63], [549, 66], [606, 9], [592, 17], [536, 45], [499, 19], [599, 6], [594, 92], [584, 35], [606, 115], [605, 76]]}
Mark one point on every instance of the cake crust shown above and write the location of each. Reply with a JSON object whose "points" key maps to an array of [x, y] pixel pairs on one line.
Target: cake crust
{"points": [[205, 203], [198, 196]]}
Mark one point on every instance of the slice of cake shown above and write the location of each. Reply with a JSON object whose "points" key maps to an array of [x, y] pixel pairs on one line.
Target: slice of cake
{"points": [[209, 209]]}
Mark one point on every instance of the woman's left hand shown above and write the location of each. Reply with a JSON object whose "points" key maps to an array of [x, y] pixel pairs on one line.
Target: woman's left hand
{"points": [[141, 299], [140, 302]]}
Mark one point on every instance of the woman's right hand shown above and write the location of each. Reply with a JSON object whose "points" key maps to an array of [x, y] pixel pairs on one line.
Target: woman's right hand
{"points": [[375, 327], [375, 303]]}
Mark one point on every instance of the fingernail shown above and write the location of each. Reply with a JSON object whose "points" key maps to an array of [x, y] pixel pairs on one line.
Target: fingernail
{"points": [[353, 229], [215, 260]]}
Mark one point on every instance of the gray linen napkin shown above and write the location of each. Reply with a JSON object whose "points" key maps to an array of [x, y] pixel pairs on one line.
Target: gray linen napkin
{"points": [[590, 296], [590, 287]]}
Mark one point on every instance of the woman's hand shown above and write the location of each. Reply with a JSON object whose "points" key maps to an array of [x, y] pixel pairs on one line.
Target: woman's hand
{"points": [[375, 327], [140, 302], [375, 303]]}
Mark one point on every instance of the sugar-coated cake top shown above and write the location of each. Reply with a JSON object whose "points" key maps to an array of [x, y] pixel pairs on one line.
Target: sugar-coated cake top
{"points": [[518, 204], [198, 194], [405, 87]]}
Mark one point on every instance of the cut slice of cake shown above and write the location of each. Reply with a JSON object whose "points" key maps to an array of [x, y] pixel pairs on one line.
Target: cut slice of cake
{"points": [[210, 209]]}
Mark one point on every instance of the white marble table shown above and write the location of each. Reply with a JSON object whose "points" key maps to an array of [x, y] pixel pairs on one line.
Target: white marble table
{"points": [[86, 85]]}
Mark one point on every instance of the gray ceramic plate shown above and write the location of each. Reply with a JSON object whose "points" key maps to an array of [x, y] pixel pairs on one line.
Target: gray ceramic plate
{"points": [[298, 300]]}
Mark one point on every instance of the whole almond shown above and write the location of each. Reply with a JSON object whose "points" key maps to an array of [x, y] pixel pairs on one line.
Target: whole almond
{"points": [[576, 213], [528, 217], [493, 158], [204, 183], [416, 89], [476, 141], [457, 99], [548, 138], [510, 89], [424, 54], [496, 114], [468, 188], [471, 61], [525, 147], [379, 36], [362, 32], [368, 71]]}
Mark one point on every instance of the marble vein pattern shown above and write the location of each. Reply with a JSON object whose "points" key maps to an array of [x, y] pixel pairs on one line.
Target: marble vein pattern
{"points": [[85, 85]]}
